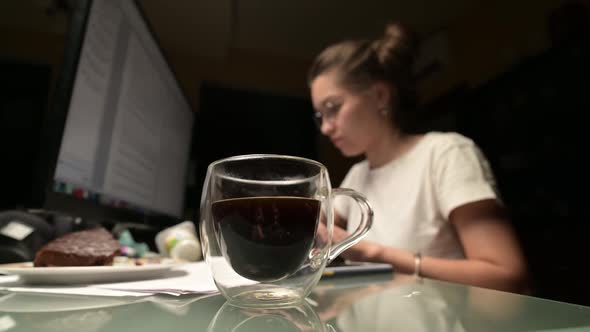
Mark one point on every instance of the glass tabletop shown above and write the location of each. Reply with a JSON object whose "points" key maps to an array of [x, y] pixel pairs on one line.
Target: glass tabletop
{"points": [[361, 303]]}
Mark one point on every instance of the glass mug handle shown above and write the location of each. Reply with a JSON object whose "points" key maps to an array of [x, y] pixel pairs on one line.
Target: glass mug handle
{"points": [[361, 230]]}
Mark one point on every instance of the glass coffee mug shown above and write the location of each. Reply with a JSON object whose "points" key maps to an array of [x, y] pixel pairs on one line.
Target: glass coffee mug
{"points": [[266, 227]]}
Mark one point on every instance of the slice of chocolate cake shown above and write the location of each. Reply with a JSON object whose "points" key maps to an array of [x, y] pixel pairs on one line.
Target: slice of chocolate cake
{"points": [[93, 247]]}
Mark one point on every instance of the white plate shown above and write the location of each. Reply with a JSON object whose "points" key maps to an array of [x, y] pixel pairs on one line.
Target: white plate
{"points": [[68, 275]]}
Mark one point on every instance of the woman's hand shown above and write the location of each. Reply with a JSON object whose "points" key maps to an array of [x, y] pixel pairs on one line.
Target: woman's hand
{"points": [[363, 251]]}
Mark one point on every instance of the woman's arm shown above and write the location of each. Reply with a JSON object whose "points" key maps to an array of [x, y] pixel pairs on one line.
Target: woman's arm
{"points": [[493, 256]]}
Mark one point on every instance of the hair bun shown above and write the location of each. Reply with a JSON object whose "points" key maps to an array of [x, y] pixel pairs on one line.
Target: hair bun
{"points": [[397, 47]]}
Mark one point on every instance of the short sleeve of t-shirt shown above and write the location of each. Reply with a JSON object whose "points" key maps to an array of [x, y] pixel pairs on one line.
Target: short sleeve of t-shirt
{"points": [[463, 175]]}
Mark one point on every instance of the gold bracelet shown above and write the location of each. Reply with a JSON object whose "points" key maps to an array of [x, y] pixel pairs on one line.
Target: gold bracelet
{"points": [[417, 264]]}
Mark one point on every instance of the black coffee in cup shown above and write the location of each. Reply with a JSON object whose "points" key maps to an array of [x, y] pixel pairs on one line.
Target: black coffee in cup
{"points": [[266, 238]]}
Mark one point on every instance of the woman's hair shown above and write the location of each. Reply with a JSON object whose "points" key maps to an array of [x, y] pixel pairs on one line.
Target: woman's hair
{"points": [[390, 59]]}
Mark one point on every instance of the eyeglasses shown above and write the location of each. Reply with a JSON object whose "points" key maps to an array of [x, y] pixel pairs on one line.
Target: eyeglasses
{"points": [[329, 115]]}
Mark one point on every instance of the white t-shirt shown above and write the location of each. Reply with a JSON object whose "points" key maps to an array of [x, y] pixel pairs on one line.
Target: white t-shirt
{"points": [[412, 196]]}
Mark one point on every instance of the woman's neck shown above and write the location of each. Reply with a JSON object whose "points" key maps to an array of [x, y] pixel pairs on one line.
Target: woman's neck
{"points": [[390, 147]]}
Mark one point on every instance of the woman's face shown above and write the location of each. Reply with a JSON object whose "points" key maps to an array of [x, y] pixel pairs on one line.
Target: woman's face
{"points": [[350, 119]]}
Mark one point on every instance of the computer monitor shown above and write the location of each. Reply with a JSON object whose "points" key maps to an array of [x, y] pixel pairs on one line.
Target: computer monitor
{"points": [[117, 141]]}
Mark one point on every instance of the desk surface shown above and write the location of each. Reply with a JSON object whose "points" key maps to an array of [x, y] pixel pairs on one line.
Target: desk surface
{"points": [[377, 303]]}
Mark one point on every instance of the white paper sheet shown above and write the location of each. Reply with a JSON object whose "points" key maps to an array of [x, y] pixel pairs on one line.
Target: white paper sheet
{"points": [[197, 280]]}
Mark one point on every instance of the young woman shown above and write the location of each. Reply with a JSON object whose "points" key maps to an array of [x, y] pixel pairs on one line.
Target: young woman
{"points": [[437, 212]]}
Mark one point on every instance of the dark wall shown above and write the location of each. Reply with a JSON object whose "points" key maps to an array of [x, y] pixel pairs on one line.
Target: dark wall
{"points": [[24, 90], [236, 121]]}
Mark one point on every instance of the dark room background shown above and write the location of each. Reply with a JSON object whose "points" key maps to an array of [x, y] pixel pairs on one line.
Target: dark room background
{"points": [[513, 76]]}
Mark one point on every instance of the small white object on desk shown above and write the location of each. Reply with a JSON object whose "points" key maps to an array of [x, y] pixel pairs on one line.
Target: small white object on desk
{"points": [[194, 278], [179, 242]]}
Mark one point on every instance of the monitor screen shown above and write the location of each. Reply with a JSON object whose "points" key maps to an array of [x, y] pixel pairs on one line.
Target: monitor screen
{"points": [[127, 132]]}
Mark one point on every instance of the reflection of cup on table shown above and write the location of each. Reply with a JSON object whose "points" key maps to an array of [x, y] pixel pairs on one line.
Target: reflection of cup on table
{"points": [[261, 227], [300, 317]]}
